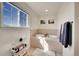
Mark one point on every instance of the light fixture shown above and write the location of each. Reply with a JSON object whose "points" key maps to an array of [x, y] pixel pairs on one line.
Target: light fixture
{"points": [[46, 10]]}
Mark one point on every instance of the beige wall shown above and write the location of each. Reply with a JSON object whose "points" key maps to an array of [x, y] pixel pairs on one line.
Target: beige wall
{"points": [[10, 35], [76, 49], [34, 22], [66, 13]]}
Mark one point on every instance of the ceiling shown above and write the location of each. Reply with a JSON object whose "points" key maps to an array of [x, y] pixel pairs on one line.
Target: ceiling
{"points": [[40, 7]]}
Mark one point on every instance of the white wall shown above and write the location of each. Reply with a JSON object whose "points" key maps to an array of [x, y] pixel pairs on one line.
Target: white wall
{"points": [[34, 22], [48, 26], [10, 35], [66, 13]]}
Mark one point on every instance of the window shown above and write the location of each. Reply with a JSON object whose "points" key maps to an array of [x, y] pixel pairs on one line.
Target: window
{"points": [[6, 14], [13, 16], [22, 19]]}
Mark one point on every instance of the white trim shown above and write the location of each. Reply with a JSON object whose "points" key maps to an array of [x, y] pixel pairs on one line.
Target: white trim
{"points": [[18, 18], [27, 21]]}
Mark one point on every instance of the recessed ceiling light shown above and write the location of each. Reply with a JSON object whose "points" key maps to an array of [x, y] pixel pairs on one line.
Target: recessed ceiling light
{"points": [[46, 10]]}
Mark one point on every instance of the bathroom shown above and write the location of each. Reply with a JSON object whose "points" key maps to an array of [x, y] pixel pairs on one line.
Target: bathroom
{"points": [[41, 31]]}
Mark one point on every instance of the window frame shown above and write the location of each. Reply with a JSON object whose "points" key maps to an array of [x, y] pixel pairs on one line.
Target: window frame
{"points": [[23, 18]]}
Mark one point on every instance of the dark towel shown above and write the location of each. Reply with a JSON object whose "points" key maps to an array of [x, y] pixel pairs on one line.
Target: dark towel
{"points": [[69, 33], [62, 34], [66, 36]]}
